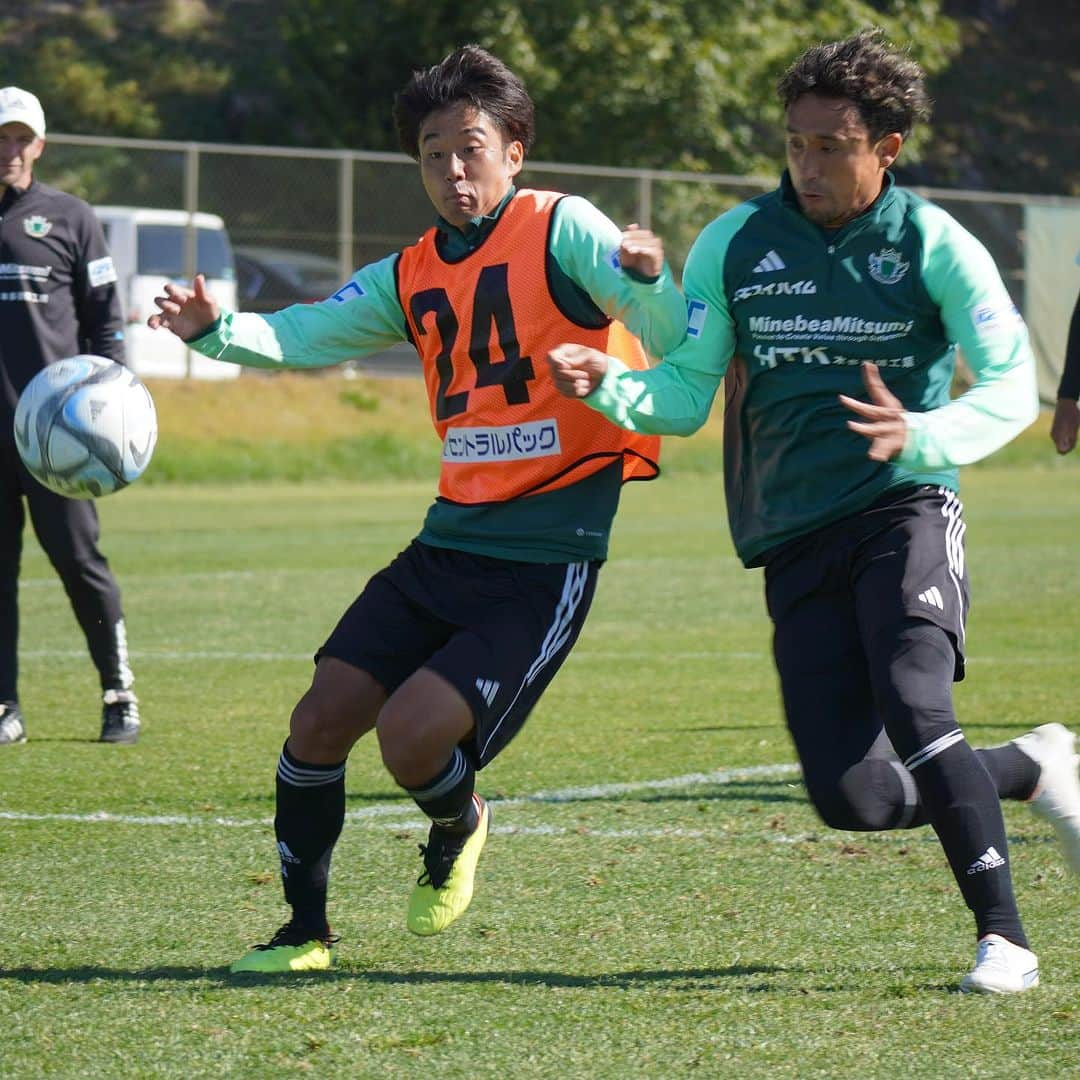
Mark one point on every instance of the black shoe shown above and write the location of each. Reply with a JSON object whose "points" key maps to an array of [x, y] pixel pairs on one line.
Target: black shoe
{"points": [[12, 728], [119, 717]]}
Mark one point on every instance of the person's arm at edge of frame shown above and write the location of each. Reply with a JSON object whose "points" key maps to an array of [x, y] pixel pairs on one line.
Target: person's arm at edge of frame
{"points": [[1066, 421]]}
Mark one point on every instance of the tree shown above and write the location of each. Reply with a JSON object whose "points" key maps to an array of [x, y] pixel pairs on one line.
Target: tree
{"points": [[117, 68], [669, 84], [648, 83]]}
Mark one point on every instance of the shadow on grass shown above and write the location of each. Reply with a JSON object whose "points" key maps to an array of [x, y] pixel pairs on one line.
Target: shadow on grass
{"points": [[688, 978], [737, 791]]}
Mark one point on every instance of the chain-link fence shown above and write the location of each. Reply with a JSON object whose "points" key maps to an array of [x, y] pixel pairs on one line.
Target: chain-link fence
{"points": [[339, 209]]}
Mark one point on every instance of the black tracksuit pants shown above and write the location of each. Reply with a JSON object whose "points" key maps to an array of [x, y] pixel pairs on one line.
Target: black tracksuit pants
{"points": [[68, 532]]}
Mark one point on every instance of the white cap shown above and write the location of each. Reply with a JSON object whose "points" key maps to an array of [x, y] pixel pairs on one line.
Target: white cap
{"points": [[21, 107]]}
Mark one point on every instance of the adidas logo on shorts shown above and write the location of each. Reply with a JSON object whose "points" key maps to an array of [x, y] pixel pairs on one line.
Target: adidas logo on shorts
{"points": [[933, 597]]}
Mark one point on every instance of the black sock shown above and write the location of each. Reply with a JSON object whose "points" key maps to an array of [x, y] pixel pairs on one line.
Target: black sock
{"points": [[963, 808], [310, 814], [1015, 775], [447, 798]]}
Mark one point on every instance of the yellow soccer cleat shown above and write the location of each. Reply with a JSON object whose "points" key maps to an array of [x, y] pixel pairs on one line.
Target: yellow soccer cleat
{"points": [[294, 948], [445, 888]]}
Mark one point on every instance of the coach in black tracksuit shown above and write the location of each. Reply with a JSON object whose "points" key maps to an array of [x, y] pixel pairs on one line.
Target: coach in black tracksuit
{"points": [[58, 297]]}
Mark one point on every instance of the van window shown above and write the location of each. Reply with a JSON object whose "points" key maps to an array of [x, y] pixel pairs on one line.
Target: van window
{"points": [[161, 252]]}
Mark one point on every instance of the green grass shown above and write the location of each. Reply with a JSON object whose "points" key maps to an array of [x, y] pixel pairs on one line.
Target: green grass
{"points": [[667, 927]]}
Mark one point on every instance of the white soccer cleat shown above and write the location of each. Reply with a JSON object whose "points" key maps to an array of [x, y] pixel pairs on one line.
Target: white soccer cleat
{"points": [[1057, 795], [1001, 968]]}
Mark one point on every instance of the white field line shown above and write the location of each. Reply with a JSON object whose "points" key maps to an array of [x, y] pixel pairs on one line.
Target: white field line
{"points": [[192, 656], [406, 818]]}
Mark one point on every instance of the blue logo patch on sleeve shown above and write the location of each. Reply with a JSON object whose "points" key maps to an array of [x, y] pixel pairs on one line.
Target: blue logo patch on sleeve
{"points": [[990, 320], [349, 291], [696, 313]]}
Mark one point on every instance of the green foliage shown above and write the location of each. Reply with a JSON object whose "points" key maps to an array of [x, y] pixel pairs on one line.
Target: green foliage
{"points": [[673, 84], [668, 84], [120, 67], [1005, 108]]}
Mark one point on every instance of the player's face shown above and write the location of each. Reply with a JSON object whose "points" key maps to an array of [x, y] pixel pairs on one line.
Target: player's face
{"points": [[465, 166], [19, 149], [836, 170]]}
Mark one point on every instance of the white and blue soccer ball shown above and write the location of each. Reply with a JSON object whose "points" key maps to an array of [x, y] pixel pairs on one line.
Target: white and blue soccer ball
{"points": [[85, 426]]}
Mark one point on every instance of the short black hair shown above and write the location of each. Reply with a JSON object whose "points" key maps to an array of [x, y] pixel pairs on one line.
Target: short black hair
{"points": [[885, 85], [472, 75]]}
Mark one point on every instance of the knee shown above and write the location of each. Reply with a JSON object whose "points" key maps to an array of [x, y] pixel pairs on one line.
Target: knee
{"points": [[854, 801], [401, 742], [836, 809], [419, 726], [320, 732], [414, 746]]}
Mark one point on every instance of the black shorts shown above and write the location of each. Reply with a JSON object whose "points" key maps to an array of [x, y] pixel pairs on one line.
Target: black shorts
{"points": [[901, 558], [496, 630]]}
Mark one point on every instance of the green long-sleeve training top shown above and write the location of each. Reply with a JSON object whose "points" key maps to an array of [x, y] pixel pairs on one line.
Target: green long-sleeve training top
{"points": [[786, 312]]}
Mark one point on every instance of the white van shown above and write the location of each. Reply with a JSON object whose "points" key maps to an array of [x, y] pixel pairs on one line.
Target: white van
{"points": [[148, 247]]}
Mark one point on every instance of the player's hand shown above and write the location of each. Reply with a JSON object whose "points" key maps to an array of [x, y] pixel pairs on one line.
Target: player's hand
{"points": [[642, 251], [1066, 423], [883, 416], [576, 369], [186, 312]]}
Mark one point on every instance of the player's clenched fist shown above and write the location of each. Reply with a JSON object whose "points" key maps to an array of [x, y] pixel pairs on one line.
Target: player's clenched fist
{"points": [[576, 369], [642, 251]]}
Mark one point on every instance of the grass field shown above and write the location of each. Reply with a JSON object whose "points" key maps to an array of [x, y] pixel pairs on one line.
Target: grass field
{"points": [[657, 898]]}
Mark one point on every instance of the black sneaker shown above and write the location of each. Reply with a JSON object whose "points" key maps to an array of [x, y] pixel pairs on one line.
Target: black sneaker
{"points": [[119, 716], [12, 728]]}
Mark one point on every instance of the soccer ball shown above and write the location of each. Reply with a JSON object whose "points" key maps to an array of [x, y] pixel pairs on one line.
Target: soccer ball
{"points": [[85, 427]]}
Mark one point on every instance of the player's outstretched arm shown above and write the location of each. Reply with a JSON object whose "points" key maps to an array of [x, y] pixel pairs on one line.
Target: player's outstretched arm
{"points": [[188, 313], [576, 370]]}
